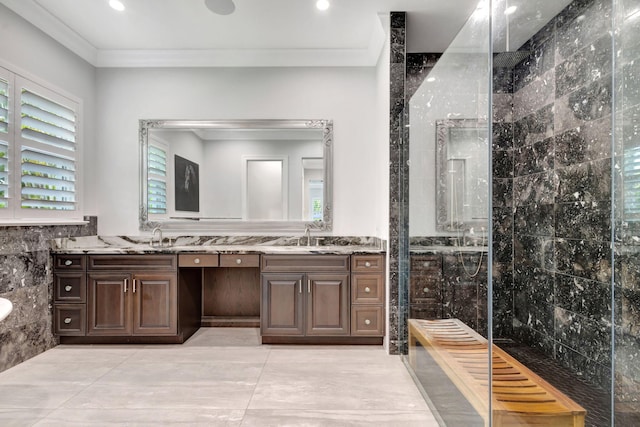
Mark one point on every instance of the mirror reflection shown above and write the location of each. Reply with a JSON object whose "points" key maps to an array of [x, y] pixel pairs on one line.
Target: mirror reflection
{"points": [[463, 180], [215, 175]]}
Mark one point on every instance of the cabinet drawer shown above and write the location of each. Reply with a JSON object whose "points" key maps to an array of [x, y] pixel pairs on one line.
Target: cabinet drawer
{"points": [[422, 287], [430, 264], [305, 263], [367, 320], [230, 260], [132, 262], [69, 262], [367, 289], [198, 260], [367, 263], [70, 319], [70, 287]]}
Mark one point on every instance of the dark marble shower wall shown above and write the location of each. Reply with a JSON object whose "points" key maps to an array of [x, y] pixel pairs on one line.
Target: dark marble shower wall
{"points": [[552, 192], [26, 280]]}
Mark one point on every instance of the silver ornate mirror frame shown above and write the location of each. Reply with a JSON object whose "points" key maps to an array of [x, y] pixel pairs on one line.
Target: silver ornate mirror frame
{"points": [[208, 226]]}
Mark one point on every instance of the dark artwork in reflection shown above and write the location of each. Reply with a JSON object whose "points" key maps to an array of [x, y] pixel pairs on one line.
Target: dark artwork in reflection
{"points": [[187, 186]]}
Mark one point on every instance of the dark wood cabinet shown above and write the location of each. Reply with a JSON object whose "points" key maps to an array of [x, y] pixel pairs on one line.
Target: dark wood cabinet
{"points": [[327, 304], [122, 298], [305, 296], [367, 295], [132, 303], [282, 304]]}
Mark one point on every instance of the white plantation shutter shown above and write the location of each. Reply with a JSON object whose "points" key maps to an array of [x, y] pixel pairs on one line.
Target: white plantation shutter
{"points": [[48, 152], [157, 180], [631, 187], [4, 142]]}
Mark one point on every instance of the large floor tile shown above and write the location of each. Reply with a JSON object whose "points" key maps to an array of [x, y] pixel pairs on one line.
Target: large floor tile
{"points": [[143, 417], [61, 374], [21, 417], [308, 386], [172, 354], [20, 396], [225, 337], [230, 395], [107, 355], [307, 418], [195, 374], [322, 354]]}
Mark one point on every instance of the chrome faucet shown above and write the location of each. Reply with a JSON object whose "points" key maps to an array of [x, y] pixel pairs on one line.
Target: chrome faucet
{"points": [[153, 235], [307, 233]]}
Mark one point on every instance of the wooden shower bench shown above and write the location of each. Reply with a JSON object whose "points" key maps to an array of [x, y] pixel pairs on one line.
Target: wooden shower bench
{"points": [[519, 398]]}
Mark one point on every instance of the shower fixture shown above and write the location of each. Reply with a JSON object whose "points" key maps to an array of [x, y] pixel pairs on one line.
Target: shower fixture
{"points": [[220, 7]]}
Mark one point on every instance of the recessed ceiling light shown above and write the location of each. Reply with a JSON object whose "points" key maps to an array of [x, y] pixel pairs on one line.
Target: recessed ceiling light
{"points": [[117, 5], [323, 4], [431, 79], [510, 10], [220, 7]]}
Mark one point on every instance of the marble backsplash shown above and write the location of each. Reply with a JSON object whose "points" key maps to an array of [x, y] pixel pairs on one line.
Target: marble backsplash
{"points": [[26, 280]]}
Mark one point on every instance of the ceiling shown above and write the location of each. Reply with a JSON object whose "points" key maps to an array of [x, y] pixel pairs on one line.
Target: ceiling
{"points": [[164, 33], [258, 33]]}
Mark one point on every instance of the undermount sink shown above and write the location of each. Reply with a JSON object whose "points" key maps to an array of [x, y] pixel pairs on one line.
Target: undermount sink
{"points": [[5, 308]]}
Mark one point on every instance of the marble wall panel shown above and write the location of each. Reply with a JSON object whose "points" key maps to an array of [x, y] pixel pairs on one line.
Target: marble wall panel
{"points": [[26, 280]]}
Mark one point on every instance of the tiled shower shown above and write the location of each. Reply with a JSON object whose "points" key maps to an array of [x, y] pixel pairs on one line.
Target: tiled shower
{"points": [[561, 105]]}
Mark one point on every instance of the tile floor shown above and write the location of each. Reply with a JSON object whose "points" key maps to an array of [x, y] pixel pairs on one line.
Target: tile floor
{"points": [[219, 377]]}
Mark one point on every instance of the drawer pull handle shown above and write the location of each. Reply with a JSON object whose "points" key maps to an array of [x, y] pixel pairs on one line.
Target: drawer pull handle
{"points": [[425, 290], [367, 264], [238, 261], [68, 262], [426, 264], [367, 321], [367, 289], [68, 288], [196, 261], [67, 320], [126, 285]]}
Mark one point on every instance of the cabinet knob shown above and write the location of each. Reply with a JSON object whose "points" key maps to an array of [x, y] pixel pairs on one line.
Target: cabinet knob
{"points": [[367, 264], [238, 261], [367, 321], [426, 264], [68, 262], [68, 288], [367, 289], [196, 261], [425, 290], [67, 320]]}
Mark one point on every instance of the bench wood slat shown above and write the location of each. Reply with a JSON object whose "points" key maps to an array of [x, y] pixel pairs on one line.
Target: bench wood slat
{"points": [[519, 396]]}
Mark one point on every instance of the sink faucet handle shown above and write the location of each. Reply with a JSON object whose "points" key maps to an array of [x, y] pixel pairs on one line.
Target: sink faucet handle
{"points": [[318, 240]]}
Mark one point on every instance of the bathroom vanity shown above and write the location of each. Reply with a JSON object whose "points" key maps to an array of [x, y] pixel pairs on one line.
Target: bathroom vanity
{"points": [[144, 294]]}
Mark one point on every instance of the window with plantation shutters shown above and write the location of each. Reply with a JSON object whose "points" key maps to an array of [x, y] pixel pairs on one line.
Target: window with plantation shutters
{"points": [[38, 151], [631, 186], [157, 180]]}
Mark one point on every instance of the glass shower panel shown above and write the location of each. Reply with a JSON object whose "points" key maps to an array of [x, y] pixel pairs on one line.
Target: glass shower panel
{"points": [[445, 281], [552, 258], [626, 302]]}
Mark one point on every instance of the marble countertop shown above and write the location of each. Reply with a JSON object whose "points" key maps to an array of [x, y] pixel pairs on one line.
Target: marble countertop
{"points": [[219, 245]]}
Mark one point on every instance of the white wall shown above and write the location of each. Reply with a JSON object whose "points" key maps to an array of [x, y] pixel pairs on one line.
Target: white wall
{"points": [[27, 51], [345, 95]]}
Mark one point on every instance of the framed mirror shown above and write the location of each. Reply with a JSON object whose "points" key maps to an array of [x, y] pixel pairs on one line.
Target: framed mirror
{"points": [[462, 175], [236, 175]]}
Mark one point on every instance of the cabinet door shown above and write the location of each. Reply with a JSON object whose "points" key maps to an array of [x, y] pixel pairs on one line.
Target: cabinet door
{"points": [[282, 310], [327, 304], [155, 304], [109, 305]]}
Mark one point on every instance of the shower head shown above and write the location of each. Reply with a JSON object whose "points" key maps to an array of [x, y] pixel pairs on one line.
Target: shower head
{"points": [[509, 59]]}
